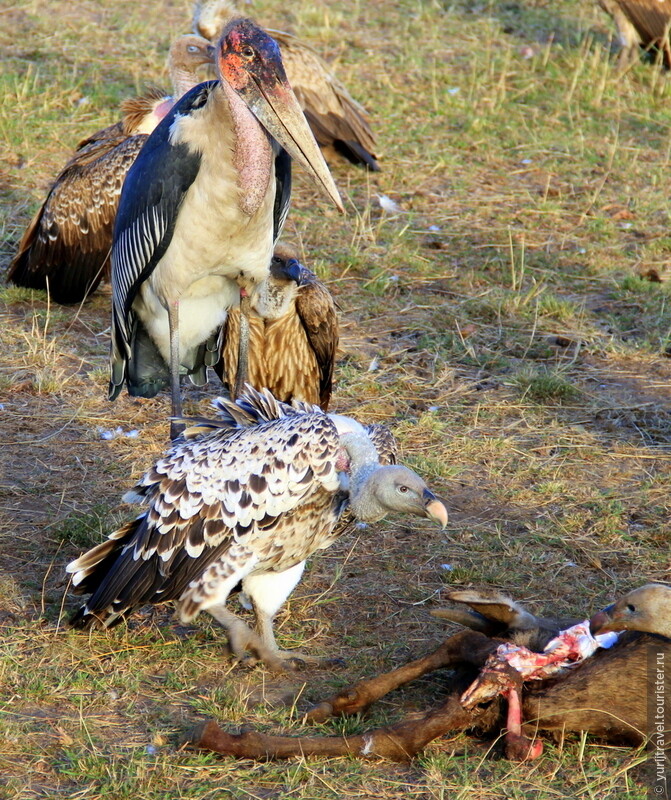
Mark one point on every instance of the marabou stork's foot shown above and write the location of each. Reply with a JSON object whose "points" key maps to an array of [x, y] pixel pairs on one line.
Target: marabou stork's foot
{"points": [[176, 429]]}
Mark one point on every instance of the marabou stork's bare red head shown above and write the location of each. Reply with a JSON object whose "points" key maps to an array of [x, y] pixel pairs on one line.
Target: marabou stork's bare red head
{"points": [[249, 61]]}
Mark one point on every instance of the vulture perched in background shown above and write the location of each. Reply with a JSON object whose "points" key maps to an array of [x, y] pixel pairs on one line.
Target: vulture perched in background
{"points": [[570, 688], [66, 248], [293, 335], [247, 497], [199, 213], [336, 119], [641, 24]]}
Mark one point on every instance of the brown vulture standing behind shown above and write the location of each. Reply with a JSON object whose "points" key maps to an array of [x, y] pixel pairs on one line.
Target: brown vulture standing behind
{"points": [[66, 248], [336, 119], [293, 334], [247, 497], [641, 23]]}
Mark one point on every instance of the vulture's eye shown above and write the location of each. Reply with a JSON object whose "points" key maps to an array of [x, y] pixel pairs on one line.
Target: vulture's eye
{"points": [[403, 489], [630, 607], [277, 260], [247, 51], [192, 48]]}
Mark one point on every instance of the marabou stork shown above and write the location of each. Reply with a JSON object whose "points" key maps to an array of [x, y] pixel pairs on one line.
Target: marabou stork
{"points": [[66, 248], [337, 120], [246, 497], [199, 213], [293, 335], [641, 24]]}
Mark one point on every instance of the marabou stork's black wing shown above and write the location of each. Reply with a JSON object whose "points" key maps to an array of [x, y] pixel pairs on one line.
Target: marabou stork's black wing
{"points": [[150, 200], [282, 191]]}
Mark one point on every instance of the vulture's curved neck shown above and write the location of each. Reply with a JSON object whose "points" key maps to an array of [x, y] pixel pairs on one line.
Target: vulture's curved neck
{"points": [[182, 79], [252, 152], [364, 464]]}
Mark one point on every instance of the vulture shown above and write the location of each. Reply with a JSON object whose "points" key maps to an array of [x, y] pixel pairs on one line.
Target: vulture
{"points": [[641, 24], [199, 213], [66, 247], [605, 694], [247, 497], [647, 610], [337, 120], [293, 335]]}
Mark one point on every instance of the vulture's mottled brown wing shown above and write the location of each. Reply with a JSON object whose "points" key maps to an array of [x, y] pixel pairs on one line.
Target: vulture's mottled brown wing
{"points": [[641, 22], [216, 505], [335, 117], [651, 19], [317, 311], [66, 247]]}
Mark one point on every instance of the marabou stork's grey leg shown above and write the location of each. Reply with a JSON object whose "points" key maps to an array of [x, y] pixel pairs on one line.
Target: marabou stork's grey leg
{"points": [[243, 346], [173, 322]]}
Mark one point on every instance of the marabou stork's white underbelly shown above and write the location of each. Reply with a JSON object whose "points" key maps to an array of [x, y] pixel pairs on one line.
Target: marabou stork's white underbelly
{"points": [[215, 250], [201, 312]]}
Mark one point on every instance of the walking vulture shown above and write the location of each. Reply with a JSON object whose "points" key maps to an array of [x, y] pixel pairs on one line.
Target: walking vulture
{"points": [[247, 497]]}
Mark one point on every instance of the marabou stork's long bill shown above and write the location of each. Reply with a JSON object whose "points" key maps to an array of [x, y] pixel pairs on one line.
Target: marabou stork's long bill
{"points": [[293, 335], [247, 497], [66, 248], [337, 120], [641, 24], [200, 211]]}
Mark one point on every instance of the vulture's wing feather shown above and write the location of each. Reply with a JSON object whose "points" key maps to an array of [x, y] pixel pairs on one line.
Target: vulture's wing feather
{"points": [[385, 443], [651, 18], [150, 200], [66, 247], [319, 318], [213, 503]]}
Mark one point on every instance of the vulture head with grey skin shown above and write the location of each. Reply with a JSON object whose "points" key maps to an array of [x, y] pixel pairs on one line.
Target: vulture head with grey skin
{"points": [[646, 609]]}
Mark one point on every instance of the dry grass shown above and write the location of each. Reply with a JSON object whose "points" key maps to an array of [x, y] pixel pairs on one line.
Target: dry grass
{"points": [[519, 359]]}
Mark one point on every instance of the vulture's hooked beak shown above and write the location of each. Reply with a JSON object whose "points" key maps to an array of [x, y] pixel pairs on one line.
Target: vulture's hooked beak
{"points": [[434, 508], [249, 61], [602, 621]]}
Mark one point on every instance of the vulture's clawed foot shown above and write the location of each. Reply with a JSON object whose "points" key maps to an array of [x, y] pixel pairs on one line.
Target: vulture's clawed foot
{"points": [[293, 661]]}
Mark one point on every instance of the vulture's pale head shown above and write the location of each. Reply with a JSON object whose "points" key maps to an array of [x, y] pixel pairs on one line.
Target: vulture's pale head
{"points": [[647, 609], [276, 295], [394, 489]]}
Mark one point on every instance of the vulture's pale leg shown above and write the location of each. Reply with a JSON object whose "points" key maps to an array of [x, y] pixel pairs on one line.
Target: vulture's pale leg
{"points": [[173, 323], [268, 592], [243, 640], [398, 742], [243, 348], [468, 647]]}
